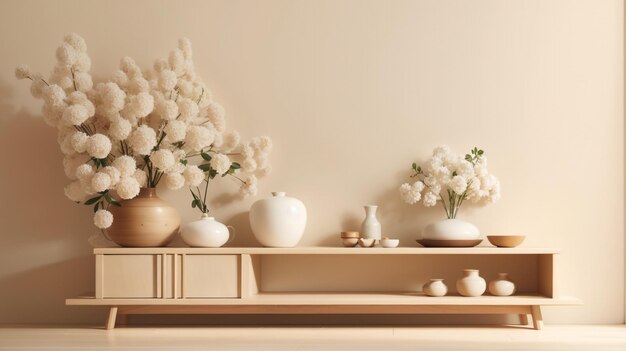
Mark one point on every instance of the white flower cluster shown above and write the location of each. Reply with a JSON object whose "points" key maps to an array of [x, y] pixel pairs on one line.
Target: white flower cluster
{"points": [[138, 127], [451, 177]]}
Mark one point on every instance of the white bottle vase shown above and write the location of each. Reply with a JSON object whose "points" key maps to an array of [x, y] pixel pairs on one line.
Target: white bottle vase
{"points": [[451, 229], [206, 232], [435, 287], [370, 229], [502, 286], [471, 284], [278, 221]]}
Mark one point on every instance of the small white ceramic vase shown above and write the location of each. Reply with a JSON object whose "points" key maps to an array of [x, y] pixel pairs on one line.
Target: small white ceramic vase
{"points": [[206, 232], [435, 287], [370, 229], [502, 286], [278, 221], [471, 284], [451, 229]]}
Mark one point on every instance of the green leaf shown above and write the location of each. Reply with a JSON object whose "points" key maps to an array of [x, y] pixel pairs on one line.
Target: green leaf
{"points": [[205, 156], [480, 152], [183, 162], [212, 173], [93, 200], [205, 167], [235, 165], [193, 203], [107, 197], [115, 203], [96, 207], [414, 166]]}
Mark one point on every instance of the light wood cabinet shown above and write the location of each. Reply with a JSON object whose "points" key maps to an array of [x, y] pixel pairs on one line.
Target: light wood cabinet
{"points": [[321, 280]]}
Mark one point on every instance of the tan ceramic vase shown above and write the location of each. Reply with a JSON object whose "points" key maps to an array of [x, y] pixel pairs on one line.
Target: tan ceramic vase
{"points": [[144, 221]]}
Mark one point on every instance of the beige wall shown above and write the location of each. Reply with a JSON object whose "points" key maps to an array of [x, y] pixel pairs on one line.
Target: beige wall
{"points": [[351, 92]]}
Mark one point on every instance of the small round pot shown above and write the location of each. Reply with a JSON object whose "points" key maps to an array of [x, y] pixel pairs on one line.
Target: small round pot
{"points": [[435, 288], [144, 221], [206, 232], [471, 285], [502, 286]]}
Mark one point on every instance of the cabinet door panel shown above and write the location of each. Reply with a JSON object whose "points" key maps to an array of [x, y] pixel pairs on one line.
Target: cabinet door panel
{"points": [[132, 276], [211, 276]]}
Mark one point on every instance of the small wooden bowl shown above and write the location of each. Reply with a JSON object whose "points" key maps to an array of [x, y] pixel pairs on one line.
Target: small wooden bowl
{"points": [[506, 240], [346, 235]]}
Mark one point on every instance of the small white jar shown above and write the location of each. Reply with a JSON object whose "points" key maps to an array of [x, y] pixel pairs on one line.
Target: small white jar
{"points": [[502, 286], [472, 284], [435, 288]]}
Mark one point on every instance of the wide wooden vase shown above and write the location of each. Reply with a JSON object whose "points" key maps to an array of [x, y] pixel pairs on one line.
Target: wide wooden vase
{"points": [[144, 221]]}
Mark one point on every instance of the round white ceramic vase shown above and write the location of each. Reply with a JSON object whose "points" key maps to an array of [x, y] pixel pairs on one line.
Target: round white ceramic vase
{"points": [[451, 229], [278, 221], [502, 286], [435, 287], [471, 284], [206, 232], [370, 229]]}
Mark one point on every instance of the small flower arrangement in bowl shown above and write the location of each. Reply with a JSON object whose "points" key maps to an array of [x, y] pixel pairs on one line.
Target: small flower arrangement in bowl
{"points": [[451, 179]]}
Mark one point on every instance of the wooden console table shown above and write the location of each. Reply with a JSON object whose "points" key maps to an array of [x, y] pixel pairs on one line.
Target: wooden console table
{"points": [[316, 280]]}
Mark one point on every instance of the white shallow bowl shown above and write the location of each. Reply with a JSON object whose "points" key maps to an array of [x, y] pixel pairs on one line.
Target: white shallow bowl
{"points": [[389, 243]]}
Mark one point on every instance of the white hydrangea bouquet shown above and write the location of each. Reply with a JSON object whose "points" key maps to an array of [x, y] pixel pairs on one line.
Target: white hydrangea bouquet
{"points": [[139, 128], [452, 179]]}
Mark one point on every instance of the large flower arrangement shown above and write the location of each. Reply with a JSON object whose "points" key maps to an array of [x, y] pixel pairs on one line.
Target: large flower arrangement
{"points": [[140, 128], [452, 179]]}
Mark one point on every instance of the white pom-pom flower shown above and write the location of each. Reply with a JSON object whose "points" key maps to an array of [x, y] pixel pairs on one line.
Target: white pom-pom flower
{"points": [[126, 165], [162, 159], [83, 81], [167, 109], [175, 131], [193, 175], [231, 141], [66, 54], [100, 182], [221, 163], [458, 184], [103, 219], [84, 171], [22, 72], [98, 146], [74, 192], [127, 188], [79, 141], [113, 173], [187, 108], [141, 177], [76, 41], [120, 129], [198, 137], [174, 180], [75, 115], [167, 79], [215, 113], [249, 187], [430, 199], [142, 140]]}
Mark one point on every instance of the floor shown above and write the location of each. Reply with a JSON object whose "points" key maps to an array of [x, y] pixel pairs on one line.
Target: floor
{"points": [[553, 337]]}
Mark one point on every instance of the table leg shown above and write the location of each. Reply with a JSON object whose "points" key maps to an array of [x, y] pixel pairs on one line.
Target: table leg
{"points": [[537, 318], [110, 324]]}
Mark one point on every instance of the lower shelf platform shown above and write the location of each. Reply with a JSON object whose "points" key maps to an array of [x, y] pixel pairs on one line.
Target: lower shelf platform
{"points": [[332, 303]]}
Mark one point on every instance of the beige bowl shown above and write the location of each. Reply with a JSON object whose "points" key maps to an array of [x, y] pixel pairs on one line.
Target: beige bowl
{"points": [[506, 240], [345, 235], [367, 242], [349, 242], [389, 243]]}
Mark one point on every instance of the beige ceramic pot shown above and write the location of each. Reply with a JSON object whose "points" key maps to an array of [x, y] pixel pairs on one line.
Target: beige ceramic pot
{"points": [[145, 221], [502, 286], [471, 284], [435, 287]]}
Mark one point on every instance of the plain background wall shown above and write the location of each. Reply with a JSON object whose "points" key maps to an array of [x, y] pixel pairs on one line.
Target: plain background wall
{"points": [[351, 92]]}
